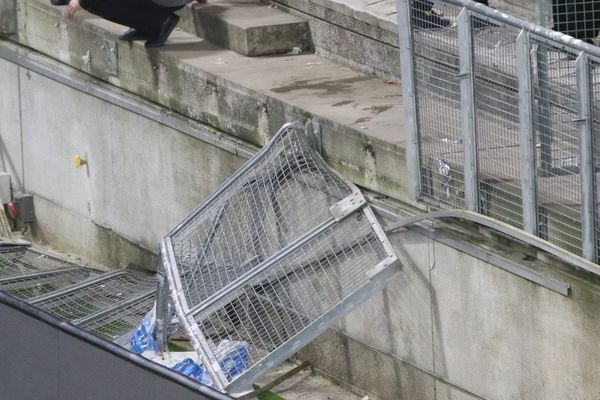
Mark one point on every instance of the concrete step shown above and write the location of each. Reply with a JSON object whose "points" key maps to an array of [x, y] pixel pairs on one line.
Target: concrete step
{"points": [[248, 27], [363, 33], [249, 98]]}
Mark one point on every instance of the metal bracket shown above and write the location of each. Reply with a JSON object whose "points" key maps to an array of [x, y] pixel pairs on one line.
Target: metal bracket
{"points": [[347, 205], [111, 56], [391, 260]]}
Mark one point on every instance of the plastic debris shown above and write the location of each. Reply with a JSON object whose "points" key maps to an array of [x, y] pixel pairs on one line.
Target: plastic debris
{"points": [[232, 363], [442, 167], [235, 360], [295, 51], [143, 339]]}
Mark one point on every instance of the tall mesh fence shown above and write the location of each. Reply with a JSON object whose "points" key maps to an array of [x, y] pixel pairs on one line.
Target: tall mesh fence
{"points": [[539, 190], [274, 257]]}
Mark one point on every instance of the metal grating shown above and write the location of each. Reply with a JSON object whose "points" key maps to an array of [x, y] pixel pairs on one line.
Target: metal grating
{"points": [[122, 321], [36, 284], [496, 118], [94, 296], [438, 103], [557, 137], [20, 259], [272, 258]]}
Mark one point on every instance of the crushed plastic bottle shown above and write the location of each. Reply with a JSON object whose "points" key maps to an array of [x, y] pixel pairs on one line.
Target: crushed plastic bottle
{"points": [[233, 360], [143, 338]]}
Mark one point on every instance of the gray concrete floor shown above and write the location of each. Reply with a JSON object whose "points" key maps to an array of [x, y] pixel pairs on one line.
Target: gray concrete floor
{"points": [[306, 386]]}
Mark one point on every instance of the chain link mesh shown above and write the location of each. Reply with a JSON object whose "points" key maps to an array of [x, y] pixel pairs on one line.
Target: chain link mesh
{"points": [[264, 260]]}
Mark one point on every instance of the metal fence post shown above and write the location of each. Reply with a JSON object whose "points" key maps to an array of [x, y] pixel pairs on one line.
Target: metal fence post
{"points": [[467, 105], [526, 134], [407, 64], [543, 119], [586, 162], [163, 316]]}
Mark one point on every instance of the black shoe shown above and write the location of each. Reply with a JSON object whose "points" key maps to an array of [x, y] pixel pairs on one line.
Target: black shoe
{"points": [[59, 2], [133, 34], [165, 29]]}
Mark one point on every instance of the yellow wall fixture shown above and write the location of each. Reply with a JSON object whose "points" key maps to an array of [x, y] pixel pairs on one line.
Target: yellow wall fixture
{"points": [[78, 161]]}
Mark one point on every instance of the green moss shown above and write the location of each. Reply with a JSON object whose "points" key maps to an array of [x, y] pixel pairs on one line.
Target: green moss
{"points": [[267, 395], [172, 346]]}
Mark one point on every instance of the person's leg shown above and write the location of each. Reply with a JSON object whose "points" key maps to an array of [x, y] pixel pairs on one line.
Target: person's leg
{"points": [[160, 36], [142, 15]]}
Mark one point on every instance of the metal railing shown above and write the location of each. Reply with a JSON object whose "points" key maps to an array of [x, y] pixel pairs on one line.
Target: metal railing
{"points": [[502, 115]]}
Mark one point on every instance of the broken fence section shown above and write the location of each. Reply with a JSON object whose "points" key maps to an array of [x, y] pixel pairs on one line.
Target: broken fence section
{"points": [[273, 258]]}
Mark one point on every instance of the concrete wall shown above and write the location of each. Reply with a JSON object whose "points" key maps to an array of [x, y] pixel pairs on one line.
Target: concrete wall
{"points": [[450, 327], [454, 327], [140, 179]]}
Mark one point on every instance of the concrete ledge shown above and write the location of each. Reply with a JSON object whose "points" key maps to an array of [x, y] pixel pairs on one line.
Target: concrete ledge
{"points": [[360, 116], [247, 27]]}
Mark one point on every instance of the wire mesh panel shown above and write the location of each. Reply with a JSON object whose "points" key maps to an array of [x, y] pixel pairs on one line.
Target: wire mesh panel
{"points": [[83, 300], [279, 252], [120, 321], [20, 259], [559, 189], [578, 18], [497, 118], [438, 101], [594, 80], [36, 284]]}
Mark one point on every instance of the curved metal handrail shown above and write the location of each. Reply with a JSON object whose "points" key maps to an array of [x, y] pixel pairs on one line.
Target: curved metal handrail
{"points": [[501, 227]]}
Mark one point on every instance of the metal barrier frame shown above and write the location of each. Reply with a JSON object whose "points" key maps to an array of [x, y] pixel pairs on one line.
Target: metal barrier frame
{"points": [[528, 30], [377, 277]]}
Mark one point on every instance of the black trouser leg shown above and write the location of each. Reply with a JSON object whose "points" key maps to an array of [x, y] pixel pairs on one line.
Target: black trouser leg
{"points": [[143, 15]]}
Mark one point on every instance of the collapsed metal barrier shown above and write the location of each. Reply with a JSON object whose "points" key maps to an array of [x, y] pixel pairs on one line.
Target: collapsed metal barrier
{"points": [[274, 257], [107, 304]]}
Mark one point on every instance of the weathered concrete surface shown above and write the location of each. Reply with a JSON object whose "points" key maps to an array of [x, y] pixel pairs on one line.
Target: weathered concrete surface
{"points": [[490, 334], [140, 179], [10, 124], [364, 34], [360, 116], [250, 28]]}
